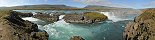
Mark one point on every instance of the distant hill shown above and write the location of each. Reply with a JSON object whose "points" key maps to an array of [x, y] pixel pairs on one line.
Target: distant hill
{"points": [[40, 7], [99, 7], [45, 6]]}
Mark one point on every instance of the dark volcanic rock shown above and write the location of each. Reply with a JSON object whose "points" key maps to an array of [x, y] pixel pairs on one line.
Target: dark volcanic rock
{"points": [[23, 14], [74, 18], [76, 38], [47, 17], [143, 27], [88, 17], [12, 27]]}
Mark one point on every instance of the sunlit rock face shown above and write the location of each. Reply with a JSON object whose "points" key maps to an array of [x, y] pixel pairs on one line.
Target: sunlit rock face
{"points": [[143, 27], [12, 27]]}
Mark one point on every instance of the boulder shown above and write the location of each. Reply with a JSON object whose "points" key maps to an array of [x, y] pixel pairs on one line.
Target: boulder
{"points": [[88, 17], [76, 38], [143, 27], [12, 27]]}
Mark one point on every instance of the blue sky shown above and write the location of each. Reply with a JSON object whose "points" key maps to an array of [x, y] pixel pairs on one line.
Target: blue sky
{"points": [[81, 3]]}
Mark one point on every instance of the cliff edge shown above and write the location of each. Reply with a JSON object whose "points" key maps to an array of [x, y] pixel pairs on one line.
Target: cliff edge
{"points": [[143, 27], [12, 27]]}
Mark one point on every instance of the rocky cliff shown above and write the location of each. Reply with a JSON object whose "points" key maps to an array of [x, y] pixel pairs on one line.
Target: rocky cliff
{"points": [[12, 27], [143, 27]]}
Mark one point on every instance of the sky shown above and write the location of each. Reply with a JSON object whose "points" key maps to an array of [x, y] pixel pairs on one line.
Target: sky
{"points": [[137, 4]]}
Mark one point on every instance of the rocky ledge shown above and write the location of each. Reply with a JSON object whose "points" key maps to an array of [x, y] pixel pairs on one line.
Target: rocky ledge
{"points": [[23, 14], [88, 17], [143, 27], [12, 27], [47, 17]]}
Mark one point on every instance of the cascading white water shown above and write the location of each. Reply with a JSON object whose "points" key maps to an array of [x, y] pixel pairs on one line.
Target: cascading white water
{"points": [[61, 16], [113, 17], [35, 20], [61, 30], [30, 19]]}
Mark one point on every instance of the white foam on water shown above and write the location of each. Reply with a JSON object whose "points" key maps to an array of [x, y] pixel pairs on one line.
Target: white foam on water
{"points": [[61, 30], [61, 16], [30, 19], [34, 13], [35, 20], [113, 17]]}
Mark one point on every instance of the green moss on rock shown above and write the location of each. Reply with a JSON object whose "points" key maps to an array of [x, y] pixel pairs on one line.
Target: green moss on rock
{"points": [[95, 16], [88, 17], [5, 12]]}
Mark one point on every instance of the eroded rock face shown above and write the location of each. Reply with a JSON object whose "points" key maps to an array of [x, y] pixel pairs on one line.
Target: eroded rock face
{"points": [[143, 27], [12, 27], [76, 38], [47, 17], [88, 17]]}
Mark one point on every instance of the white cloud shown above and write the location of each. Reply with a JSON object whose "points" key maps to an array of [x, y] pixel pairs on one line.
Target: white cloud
{"points": [[93, 2], [100, 2], [150, 4], [8, 3]]}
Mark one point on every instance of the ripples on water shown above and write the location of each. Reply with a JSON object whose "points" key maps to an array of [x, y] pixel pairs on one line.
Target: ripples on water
{"points": [[60, 30]]}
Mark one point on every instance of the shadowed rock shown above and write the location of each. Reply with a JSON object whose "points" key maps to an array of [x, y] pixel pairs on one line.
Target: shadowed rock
{"points": [[23, 14]]}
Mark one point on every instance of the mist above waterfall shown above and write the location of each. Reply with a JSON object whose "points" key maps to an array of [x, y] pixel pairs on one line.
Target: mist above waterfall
{"points": [[121, 15]]}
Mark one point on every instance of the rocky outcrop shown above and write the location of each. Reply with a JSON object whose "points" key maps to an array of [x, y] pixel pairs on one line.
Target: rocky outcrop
{"points": [[12, 27], [143, 27], [88, 17], [47, 17], [76, 38], [23, 14]]}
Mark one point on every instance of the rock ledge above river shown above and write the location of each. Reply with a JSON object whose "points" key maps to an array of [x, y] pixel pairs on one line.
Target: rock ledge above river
{"points": [[88, 17]]}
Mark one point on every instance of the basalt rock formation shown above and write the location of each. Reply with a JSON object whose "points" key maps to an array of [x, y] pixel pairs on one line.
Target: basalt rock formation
{"points": [[23, 14], [12, 27], [88, 17], [143, 27], [47, 17]]}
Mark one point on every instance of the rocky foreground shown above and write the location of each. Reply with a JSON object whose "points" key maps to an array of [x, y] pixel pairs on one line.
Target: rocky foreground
{"points": [[88, 17], [143, 27], [12, 27]]}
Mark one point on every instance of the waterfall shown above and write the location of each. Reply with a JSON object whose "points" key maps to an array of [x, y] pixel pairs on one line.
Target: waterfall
{"points": [[61, 16], [113, 17], [30, 19]]}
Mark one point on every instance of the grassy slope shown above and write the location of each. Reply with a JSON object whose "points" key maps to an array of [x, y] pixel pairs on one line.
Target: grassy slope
{"points": [[95, 15], [147, 14], [4, 12]]}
